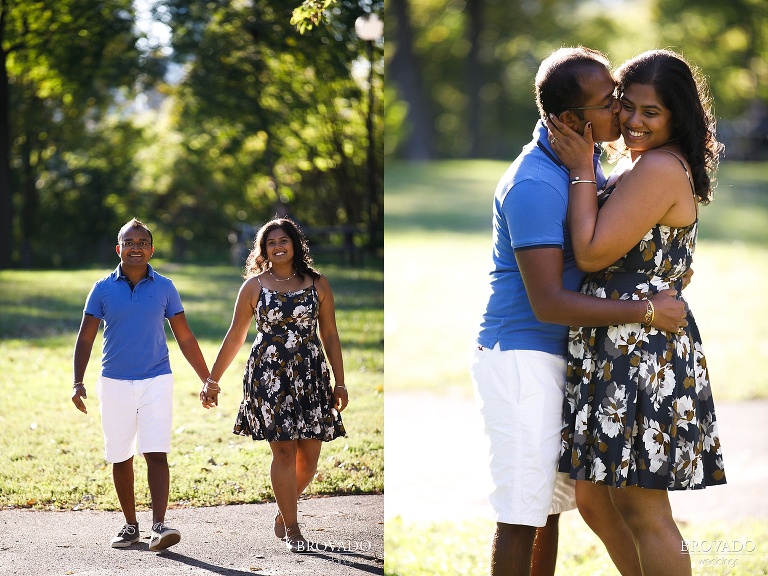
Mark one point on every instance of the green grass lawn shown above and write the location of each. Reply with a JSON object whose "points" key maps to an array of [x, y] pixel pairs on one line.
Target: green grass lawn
{"points": [[51, 455], [438, 244], [451, 548]]}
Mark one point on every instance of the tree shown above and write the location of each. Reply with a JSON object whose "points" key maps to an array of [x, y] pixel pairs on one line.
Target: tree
{"points": [[263, 104], [60, 63]]}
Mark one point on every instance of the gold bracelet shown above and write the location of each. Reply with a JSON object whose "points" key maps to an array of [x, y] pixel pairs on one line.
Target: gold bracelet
{"points": [[650, 313]]}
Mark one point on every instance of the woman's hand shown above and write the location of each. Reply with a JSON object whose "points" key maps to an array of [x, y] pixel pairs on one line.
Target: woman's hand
{"points": [[209, 395], [573, 149], [340, 397]]}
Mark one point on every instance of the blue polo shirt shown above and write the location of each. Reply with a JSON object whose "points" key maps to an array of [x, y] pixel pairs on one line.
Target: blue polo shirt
{"points": [[529, 211], [135, 346]]}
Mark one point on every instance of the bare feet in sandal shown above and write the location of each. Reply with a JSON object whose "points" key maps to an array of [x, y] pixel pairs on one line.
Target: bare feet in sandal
{"points": [[279, 526], [294, 540]]}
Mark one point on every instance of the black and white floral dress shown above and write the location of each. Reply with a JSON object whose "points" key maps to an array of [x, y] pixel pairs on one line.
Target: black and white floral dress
{"points": [[287, 391], [638, 408]]}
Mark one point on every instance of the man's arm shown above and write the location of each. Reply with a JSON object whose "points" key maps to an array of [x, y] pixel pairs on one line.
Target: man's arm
{"points": [[542, 272], [188, 345], [89, 328]]}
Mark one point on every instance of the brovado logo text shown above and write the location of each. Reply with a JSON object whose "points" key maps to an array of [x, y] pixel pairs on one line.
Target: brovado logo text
{"points": [[717, 546], [339, 546]]}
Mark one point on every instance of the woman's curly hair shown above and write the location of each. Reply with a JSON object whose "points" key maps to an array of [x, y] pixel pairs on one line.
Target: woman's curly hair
{"points": [[258, 262], [684, 92]]}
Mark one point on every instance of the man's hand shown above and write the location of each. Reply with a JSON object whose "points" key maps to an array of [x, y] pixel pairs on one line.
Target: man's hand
{"points": [[669, 312], [78, 395]]}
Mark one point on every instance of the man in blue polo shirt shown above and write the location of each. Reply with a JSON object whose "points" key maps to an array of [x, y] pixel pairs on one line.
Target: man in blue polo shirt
{"points": [[518, 370], [135, 387]]}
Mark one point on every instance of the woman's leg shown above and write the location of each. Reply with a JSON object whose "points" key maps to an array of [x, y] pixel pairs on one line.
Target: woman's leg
{"points": [[283, 475], [658, 540], [599, 513], [307, 455]]}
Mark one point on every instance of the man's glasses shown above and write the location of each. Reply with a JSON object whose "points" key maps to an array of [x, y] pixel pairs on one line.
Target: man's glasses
{"points": [[143, 244], [611, 101]]}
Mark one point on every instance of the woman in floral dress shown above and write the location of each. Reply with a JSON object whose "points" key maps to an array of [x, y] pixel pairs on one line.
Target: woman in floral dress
{"points": [[287, 395], [639, 416]]}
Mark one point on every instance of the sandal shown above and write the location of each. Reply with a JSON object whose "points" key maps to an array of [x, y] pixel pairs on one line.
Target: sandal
{"points": [[294, 540], [279, 526]]}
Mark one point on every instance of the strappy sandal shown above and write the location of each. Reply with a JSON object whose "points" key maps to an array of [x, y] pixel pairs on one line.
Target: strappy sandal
{"points": [[279, 526], [294, 540]]}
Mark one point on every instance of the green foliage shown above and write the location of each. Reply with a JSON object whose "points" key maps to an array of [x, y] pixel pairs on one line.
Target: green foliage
{"points": [[480, 59], [310, 13], [51, 455], [251, 117]]}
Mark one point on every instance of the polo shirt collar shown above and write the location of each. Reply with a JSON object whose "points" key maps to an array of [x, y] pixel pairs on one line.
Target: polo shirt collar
{"points": [[118, 273]]}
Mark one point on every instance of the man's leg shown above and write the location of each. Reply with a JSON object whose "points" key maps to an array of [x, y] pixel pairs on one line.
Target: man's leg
{"points": [[520, 396], [122, 476], [599, 513], [544, 556], [512, 550], [158, 478]]}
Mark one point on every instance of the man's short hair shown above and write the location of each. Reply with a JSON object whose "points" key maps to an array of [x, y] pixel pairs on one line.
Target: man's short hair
{"points": [[558, 81], [134, 223]]}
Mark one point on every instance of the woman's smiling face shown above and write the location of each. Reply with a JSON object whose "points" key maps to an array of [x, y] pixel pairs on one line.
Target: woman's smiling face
{"points": [[279, 246], [645, 122]]}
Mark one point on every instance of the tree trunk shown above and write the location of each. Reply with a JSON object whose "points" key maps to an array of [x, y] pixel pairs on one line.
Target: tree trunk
{"points": [[406, 71], [474, 75], [6, 193]]}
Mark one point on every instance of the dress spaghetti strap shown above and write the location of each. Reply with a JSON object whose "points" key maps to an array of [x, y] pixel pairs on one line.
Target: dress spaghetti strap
{"points": [[688, 175]]}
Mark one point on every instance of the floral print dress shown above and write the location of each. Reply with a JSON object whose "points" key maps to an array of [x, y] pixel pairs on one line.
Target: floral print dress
{"points": [[638, 408], [287, 391]]}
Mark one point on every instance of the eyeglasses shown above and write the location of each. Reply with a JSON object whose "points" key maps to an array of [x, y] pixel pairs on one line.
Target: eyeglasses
{"points": [[605, 107], [143, 244]]}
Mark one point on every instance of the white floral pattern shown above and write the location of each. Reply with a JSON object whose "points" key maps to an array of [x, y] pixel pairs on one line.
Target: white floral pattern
{"points": [[287, 385], [638, 408]]}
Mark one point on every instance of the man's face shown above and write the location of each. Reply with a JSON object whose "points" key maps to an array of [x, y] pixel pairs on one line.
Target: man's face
{"points": [[135, 247], [600, 90]]}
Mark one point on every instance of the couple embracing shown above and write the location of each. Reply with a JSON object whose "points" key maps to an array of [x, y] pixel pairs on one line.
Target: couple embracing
{"points": [[611, 414]]}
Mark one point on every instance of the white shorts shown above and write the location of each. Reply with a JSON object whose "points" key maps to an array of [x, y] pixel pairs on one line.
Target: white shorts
{"points": [[520, 395], [135, 416]]}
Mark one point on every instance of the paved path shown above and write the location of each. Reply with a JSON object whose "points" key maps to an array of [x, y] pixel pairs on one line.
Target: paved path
{"points": [[224, 540], [435, 462]]}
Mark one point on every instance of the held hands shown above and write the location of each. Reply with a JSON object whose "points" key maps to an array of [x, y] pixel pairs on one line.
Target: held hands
{"points": [[78, 395], [340, 397], [209, 395], [573, 149], [669, 313]]}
